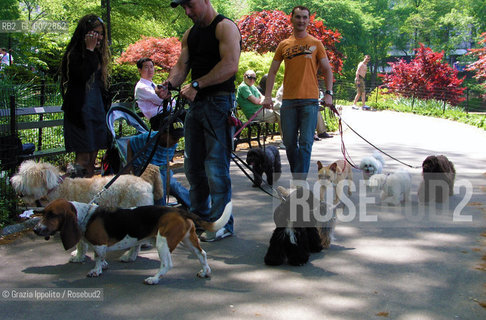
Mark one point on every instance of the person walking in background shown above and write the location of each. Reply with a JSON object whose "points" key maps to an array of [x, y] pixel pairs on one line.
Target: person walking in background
{"points": [[211, 52], [250, 100], [6, 58], [359, 80], [84, 88], [303, 56]]}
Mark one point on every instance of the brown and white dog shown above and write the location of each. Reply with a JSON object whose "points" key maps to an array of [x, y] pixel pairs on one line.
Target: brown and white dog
{"points": [[42, 182], [333, 174], [105, 230]]}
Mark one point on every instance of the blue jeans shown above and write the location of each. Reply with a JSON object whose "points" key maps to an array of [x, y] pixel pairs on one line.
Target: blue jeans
{"points": [[208, 138], [176, 189], [299, 119]]}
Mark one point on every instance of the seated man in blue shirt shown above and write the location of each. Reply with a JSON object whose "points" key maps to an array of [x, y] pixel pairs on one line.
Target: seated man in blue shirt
{"points": [[163, 154]]}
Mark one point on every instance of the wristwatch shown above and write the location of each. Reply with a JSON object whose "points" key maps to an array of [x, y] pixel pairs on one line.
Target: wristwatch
{"points": [[195, 85], [329, 92]]}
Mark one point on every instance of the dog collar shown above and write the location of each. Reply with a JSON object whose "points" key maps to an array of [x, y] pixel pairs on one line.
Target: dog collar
{"points": [[60, 180]]}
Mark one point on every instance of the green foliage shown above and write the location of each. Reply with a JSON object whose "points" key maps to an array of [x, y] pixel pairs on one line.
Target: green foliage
{"points": [[18, 74], [7, 215], [124, 73], [347, 17], [260, 63], [40, 52], [330, 119], [383, 100]]}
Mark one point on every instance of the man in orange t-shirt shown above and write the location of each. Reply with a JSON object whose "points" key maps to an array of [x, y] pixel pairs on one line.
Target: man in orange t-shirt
{"points": [[303, 56]]}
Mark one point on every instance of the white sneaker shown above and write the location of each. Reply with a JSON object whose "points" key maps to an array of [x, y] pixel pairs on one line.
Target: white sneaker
{"points": [[208, 236]]}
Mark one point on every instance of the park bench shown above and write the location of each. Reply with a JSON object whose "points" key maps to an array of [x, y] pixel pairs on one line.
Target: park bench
{"points": [[255, 131], [13, 120]]}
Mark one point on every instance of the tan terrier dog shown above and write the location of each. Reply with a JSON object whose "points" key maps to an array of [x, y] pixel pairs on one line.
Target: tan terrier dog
{"points": [[333, 174]]}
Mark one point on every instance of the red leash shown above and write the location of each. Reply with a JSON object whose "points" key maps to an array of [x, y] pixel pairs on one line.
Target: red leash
{"points": [[345, 153], [248, 122]]}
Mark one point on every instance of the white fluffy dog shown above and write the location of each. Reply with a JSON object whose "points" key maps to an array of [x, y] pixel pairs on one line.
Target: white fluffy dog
{"points": [[41, 181], [395, 187], [372, 165]]}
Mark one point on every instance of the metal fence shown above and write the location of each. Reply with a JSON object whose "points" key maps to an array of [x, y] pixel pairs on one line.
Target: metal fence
{"points": [[472, 100]]}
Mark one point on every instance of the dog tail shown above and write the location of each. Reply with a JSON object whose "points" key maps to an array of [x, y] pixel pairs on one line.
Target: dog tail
{"points": [[152, 176], [212, 226]]}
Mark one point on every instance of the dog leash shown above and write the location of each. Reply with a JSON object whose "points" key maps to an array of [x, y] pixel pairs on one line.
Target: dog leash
{"points": [[154, 139], [343, 146], [235, 157], [248, 122]]}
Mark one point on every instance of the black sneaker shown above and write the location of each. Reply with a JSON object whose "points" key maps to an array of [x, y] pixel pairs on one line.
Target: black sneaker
{"points": [[324, 135]]}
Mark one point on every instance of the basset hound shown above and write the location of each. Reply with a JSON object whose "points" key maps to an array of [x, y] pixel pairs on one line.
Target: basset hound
{"points": [[105, 230]]}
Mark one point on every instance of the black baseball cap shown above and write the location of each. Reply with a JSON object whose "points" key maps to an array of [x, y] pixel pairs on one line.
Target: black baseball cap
{"points": [[176, 129], [175, 3]]}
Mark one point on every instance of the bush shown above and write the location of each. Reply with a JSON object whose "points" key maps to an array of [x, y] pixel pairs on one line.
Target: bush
{"points": [[19, 74], [431, 108], [121, 73], [425, 77], [260, 63], [164, 52]]}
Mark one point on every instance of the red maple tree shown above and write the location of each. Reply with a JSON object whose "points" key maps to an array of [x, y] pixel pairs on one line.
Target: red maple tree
{"points": [[479, 66], [163, 51], [425, 77], [262, 32]]}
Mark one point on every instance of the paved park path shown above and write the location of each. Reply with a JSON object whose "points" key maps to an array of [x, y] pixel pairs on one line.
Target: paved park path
{"points": [[396, 266]]}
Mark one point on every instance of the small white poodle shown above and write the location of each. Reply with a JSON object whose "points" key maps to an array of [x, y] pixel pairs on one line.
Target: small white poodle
{"points": [[371, 165], [395, 187]]}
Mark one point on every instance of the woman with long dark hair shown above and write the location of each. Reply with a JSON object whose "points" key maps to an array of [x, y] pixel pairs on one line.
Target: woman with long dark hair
{"points": [[84, 88]]}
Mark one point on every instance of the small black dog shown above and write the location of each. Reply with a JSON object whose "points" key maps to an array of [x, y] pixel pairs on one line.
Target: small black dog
{"points": [[439, 175], [267, 161], [294, 241]]}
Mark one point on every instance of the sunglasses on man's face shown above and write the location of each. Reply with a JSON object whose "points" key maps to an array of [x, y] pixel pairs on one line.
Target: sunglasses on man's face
{"points": [[251, 78]]}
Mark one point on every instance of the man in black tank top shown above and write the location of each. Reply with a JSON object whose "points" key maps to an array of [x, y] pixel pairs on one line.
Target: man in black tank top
{"points": [[210, 51]]}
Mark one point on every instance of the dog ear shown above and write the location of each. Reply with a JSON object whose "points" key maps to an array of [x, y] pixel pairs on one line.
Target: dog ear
{"points": [[319, 165], [70, 233], [17, 184], [333, 167], [52, 177]]}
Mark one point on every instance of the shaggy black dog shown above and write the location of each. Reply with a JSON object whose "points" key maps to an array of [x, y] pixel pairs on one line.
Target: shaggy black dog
{"points": [[438, 183], [267, 161], [294, 241]]}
